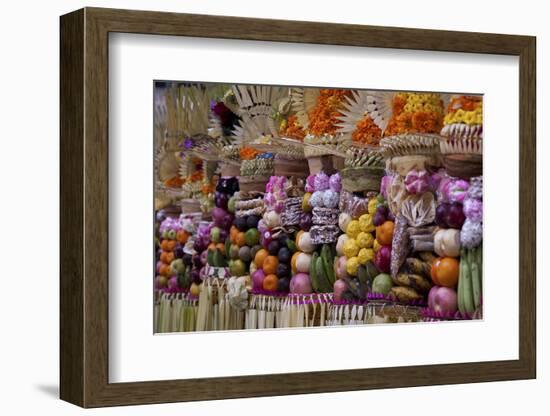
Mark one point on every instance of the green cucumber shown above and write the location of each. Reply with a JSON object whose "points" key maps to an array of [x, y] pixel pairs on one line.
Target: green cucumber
{"points": [[468, 289], [460, 289], [476, 279], [313, 273]]}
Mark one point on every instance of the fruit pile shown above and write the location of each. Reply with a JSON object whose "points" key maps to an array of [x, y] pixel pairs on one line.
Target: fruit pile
{"points": [[243, 243], [364, 250], [174, 265], [222, 219]]}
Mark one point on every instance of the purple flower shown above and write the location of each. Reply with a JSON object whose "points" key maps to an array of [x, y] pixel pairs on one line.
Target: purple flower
{"points": [[188, 143], [321, 182], [473, 209], [456, 190], [335, 182]]}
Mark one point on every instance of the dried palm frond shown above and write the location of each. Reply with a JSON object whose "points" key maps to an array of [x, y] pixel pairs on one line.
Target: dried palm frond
{"points": [[363, 103], [257, 106], [410, 144], [303, 101]]}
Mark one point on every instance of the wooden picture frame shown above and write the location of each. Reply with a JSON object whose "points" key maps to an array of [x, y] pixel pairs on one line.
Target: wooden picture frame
{"points": [[84, 207]]}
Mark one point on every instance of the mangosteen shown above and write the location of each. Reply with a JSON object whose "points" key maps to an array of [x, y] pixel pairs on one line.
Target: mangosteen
{"points": [[240, 223], [284, 255], [252, 221], [187, 259], [273, 248], [283, 285], [283, 270]]}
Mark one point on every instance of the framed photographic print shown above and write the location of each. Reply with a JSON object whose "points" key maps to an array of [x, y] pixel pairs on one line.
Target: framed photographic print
{"points": [[237, 194]]}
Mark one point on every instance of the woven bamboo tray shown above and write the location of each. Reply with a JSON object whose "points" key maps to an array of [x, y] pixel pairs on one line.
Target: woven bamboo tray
{"points": [[290, 167], [463, 165], [190, 206], [253, 183], [362, 179]]}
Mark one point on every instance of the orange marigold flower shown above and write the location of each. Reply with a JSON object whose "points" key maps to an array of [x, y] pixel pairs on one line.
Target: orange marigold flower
{"points": [[367, 132], [293, 129], [324, 117], [248, 153]]}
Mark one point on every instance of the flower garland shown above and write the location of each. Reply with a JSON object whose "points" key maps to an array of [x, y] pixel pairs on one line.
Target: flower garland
{"points": [[466, 110], [324, 117], [415, 113], [367, 132], [291, 128], [248, 153]]}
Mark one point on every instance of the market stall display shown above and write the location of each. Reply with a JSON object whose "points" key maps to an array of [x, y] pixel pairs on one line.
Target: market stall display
{"points": [[295, 207]]}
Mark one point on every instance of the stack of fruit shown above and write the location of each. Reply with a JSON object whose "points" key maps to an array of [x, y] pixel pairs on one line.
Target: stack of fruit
{"points": [[300, 263], [355, 266], [243, 244], [173, 265], [222, 221], [270, 269]]}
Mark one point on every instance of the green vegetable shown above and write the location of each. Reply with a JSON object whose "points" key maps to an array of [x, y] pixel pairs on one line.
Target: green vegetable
{"points": [[460, 289], [313, 273], [476, 278], [468, 289]]}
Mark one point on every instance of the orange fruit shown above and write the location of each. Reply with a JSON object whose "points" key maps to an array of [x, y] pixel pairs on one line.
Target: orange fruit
{"points": [[171, 245], [233, 231], [182, 236], [164, 257], [270, 282], [447, 271], [261, 255], [240, 240], [164, 270], [221, 247], [433, 271], [270, 265], [164, 245], [384, 233], [293, 261]]}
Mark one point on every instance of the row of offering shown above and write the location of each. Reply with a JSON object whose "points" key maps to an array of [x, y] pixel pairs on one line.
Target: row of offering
{"points": [[378, 202]]}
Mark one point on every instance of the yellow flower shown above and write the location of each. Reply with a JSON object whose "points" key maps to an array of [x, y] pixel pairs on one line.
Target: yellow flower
{"points": [[352, 265], [353, 229], [365, 240], [365, 255], [479, 119], [365, 223], [469, 117], [373, 203], [351, 248], [376, 246], [408, 108]]}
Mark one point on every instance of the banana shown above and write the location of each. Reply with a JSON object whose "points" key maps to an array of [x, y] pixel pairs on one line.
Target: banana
{"points": [[417, 266], [405, 294], [329, 270], [322, 278], [414, 281], [428, 257]]}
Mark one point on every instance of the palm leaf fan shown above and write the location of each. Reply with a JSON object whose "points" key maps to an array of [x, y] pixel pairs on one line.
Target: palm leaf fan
{"points": [[353, 111], [160, 117], [194, 111], [257, 104], [166, 165], [379, 107], [303, 102]]}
